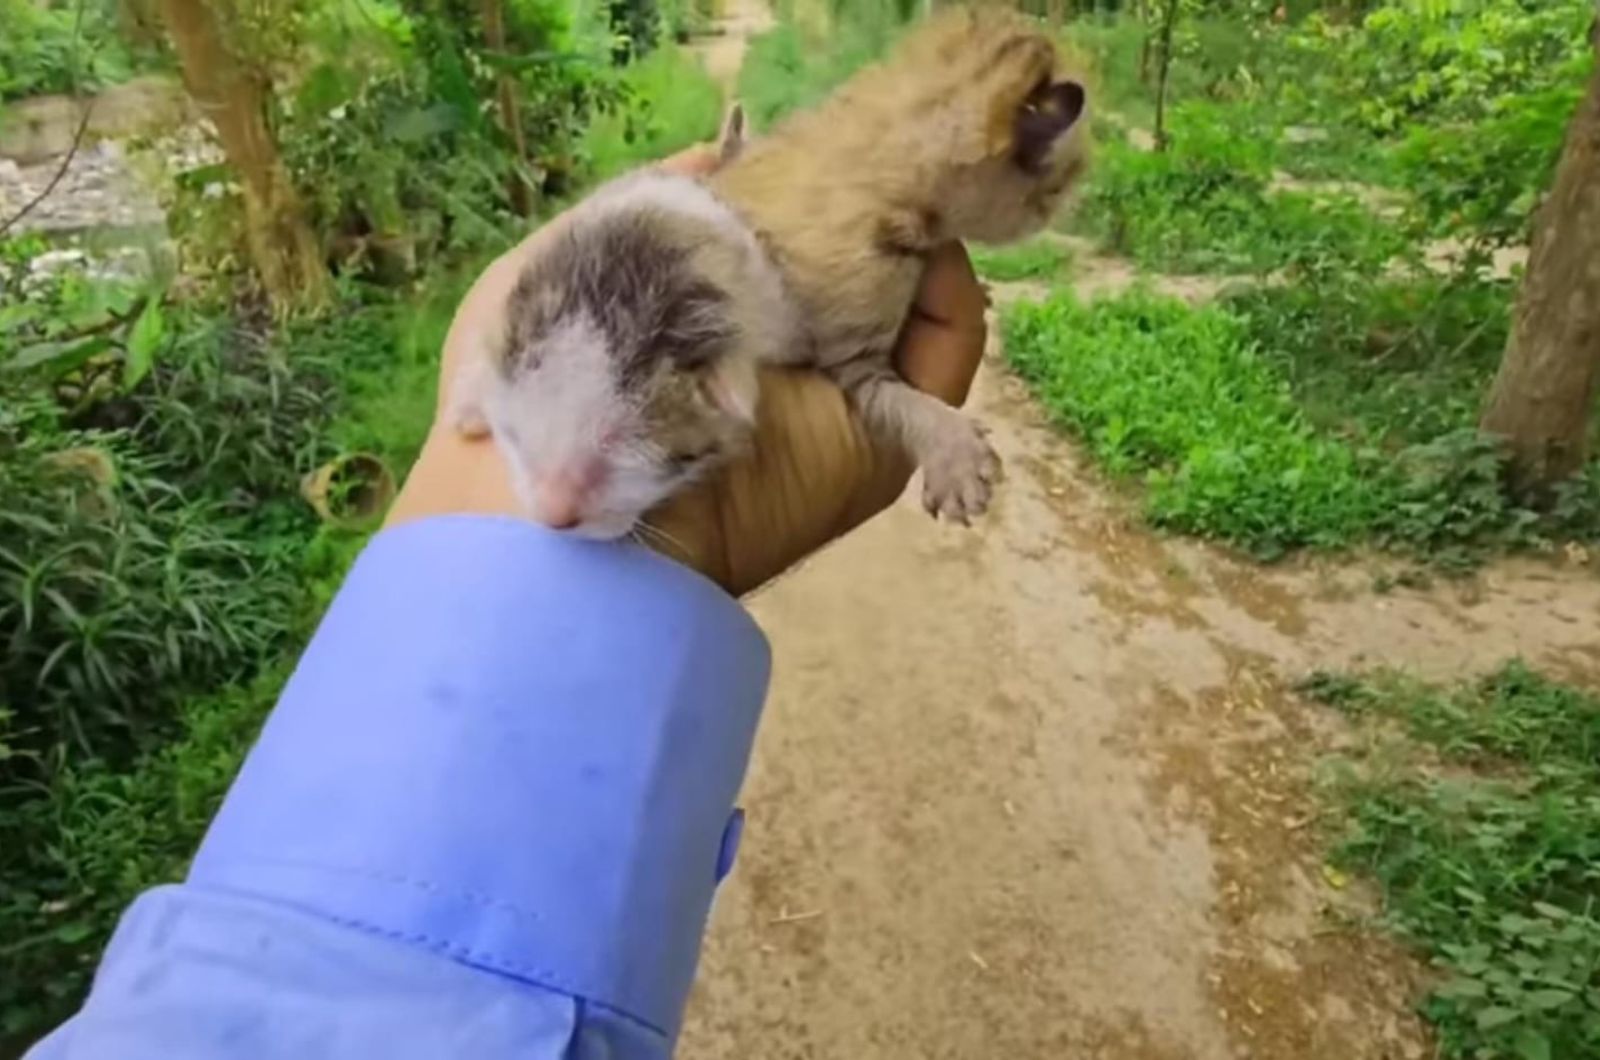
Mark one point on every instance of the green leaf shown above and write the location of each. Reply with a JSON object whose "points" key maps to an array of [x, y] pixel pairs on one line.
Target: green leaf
{"points": [[74, 932], [1531, 1045], [1545, 1000], [1496, 1016], [59, 356], [15, 317], [144, 340], [423, 123]]}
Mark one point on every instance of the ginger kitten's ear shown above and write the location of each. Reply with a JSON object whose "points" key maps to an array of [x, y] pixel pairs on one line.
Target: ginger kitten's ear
{"points": [[730, 141], [1045, 116]]}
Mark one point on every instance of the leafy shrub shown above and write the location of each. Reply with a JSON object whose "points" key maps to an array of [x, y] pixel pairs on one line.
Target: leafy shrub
{"points": [[1492, 868], [1197, 401], [106, 835], [1479, 181], [671, 103], [48, 49], [1409, 61], [1204, 205], [154, 553]]}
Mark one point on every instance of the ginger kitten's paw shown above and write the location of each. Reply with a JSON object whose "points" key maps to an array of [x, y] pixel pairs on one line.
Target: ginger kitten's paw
{"points": [[959, 474]]}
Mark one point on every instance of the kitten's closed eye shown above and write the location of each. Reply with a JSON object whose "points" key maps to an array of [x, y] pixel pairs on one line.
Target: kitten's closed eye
{"points": [[683, 459]]}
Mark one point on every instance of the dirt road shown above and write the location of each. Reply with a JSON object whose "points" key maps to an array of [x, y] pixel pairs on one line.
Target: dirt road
{"points": [[1037, 790]]}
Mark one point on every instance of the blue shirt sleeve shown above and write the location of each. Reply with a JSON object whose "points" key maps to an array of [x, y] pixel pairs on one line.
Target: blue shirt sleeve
{"points": [[486, 818]]}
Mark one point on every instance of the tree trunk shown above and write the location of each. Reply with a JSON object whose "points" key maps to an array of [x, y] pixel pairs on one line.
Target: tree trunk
{"points": [[1543, 392], [231, 94], [494, 39], [1168, 21], [1147, 45]]}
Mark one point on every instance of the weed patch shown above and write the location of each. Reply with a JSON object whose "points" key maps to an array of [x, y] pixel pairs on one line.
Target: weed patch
{"points": [[1038, 259], [1488, 864], [1201, 405], [1204, 205]]}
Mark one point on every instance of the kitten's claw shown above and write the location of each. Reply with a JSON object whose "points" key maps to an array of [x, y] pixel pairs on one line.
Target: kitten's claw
{"points": [[959, 476]]}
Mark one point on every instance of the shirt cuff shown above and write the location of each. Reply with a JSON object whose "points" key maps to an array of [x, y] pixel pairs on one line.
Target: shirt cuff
{"points": [[514, 748]]}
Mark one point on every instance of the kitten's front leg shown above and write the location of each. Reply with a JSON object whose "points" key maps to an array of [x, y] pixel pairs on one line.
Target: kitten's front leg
{"points": [[959, 467]]}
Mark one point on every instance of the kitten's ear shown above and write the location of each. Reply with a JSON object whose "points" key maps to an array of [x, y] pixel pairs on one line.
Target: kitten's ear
{"points": [[730, 141], [1045, 116], [733, 386]]}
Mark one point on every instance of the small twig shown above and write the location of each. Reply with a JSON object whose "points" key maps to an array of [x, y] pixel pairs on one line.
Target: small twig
{"points": [[77, 137], [66, 163], [979, 961]]}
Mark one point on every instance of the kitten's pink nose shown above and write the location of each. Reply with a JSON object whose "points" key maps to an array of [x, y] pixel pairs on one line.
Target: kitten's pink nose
{"points": [[558, 505], [560, 498]]}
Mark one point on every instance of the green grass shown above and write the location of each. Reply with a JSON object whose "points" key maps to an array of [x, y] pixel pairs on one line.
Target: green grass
{"points": [[1205, 205], [787, 68], [1179, 396], [1395, 362], [1037, 259], [1490, 863], [1198, 404], [674, 103]]}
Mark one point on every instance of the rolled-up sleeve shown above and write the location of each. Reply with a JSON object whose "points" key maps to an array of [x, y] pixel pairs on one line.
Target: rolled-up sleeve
{"points": [[486, 818]]}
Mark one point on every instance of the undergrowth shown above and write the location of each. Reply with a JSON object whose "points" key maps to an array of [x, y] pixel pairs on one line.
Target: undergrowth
{"points": [[1037, 259], [1206, 204], [674, 103], [1481, 824], [790, 67], [158, 571], [1200, 404]]}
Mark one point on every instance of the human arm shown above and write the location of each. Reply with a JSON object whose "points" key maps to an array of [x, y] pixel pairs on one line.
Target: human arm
{"points": [[487, 816]]}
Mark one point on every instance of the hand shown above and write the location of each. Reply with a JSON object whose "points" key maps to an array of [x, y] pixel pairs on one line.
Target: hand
{"points": [[812, 474]]}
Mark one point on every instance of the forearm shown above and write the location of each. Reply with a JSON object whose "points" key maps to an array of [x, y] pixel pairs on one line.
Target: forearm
{"points": [[489, 811]]}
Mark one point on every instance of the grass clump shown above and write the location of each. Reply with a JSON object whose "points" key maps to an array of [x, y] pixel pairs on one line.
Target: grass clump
{"points": [[1206, 205], [1399, 361], [1218, 423], [1037, 259], [1490, 860], [1181, 396]]}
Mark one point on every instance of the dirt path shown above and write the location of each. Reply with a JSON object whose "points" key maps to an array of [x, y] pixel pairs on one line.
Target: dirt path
{"points": [[1037, 789]]}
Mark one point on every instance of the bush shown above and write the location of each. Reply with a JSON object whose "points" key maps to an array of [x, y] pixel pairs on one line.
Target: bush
{"points": [[672, 103], [1490, 867], [46, 49], [1198, 403], [157, 567], [103, 835], [1417, 61], [1390, 362], [1204, 205]]}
